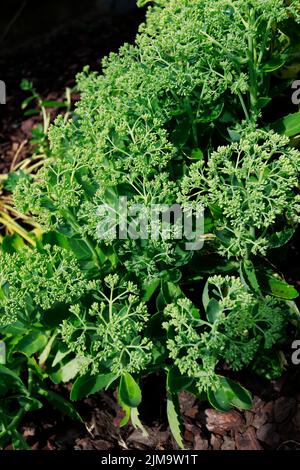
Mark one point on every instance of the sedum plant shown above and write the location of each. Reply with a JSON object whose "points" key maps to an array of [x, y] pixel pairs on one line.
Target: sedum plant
{"points": [[107, 335], [177, 118], [250, 187], [33, 282], [237, 326]]}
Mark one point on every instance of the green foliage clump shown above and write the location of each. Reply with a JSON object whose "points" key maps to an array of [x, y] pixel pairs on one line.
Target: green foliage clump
{"points": [[195, 66], [177, 118], [33, 282], [107, 334], [252, 186], [238, 328]]}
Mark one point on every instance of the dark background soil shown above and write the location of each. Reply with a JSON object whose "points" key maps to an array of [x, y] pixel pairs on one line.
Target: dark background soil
{"points": [[74, 35], [49, 42]]}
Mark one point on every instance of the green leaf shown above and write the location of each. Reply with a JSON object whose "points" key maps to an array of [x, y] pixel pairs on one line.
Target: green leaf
{"points": [[136, 423], [174, 418], [248, 276], [211, 114], [228, 395], [54, 238], [159, 354], [239, 396], [9, 380], [80, 249], [129, 391], [215, 211], [168, 294], [45, 354], [15, 329], [278, 239], [126, 409], [224, 236], [219, 400], [26, 85], [205, 295], [142, 3], [32, 343], [161, 302], [263, 101], [289, 125], [18, 441], [234, 135], [2, 352], [171, 292], [274, 64], [12, 243], [89, 384], [149, 288], [69, 370], [283, 290], [38, 371], [58, 402], [181, 133], [62, 352], [272, 285], [196, 154], [32, 112], [26, 102], [213, 310], [177, 382], [53, 104], [28, 403]]}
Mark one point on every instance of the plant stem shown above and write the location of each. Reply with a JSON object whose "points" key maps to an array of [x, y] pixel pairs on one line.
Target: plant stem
{"points": [[244, 106], [252, 56]]}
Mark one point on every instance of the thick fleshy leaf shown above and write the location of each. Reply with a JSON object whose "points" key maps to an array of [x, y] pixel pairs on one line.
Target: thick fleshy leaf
{"points": [[219, 400], [134, 415], [32, 343], [278, 239], [174, 418], [89, 384], [277, 287], [289, 125], [230, 394], [68, 371], [248, 276], [149, 289], [213, 310], [205, 296], [129, 390], [45, 354]]}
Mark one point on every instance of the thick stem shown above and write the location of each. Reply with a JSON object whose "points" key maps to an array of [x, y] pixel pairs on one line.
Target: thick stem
{"points": [[244, 106], [252, 56]]}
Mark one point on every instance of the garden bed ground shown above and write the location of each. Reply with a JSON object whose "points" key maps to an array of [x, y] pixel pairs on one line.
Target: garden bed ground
{"points": [[273, 423]]}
